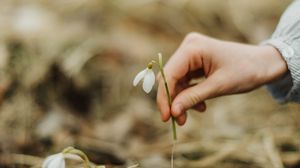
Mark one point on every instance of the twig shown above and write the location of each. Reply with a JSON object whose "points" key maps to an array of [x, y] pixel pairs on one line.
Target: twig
{"points": [[224, 152], [213, 159], [21, 159], [134, 166], [273, 154], [172, 154]]}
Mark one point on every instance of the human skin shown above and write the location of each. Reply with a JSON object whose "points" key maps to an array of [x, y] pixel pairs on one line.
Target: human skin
{"points": [[227, 68]]}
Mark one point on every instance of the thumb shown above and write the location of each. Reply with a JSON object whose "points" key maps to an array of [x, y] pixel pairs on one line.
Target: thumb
{"points": [[193, 95]]}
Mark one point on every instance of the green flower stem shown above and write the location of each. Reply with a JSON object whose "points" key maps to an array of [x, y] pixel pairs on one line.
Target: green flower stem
{"points": [[67, 149], [168, 94]]}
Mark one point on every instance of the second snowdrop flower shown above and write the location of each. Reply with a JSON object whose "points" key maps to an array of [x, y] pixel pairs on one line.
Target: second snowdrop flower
{"points": [[58, 160], [148, 77], [54, 161]]}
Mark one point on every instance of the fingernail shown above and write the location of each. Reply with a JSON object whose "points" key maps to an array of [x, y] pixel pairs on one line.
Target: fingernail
{"points": [[177, 109]]}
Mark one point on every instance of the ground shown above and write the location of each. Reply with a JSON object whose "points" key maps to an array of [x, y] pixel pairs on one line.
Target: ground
{"points": [[66, 71]]}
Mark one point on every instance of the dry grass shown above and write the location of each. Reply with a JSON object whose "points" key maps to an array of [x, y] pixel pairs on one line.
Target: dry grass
{"points": [[66, 69]]}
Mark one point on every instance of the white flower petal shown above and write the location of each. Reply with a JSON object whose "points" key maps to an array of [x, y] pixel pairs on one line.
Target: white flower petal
{"points": [[149, 80], [54, 161], [139, 77], [49, 159]]}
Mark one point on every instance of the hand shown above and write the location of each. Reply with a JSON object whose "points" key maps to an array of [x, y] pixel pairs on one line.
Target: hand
{"points": [[227, 67]]}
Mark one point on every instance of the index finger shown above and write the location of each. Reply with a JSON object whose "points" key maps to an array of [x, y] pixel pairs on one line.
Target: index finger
{"points": [[176, 68]]}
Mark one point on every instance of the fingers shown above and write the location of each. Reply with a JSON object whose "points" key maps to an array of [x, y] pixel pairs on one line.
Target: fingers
{"points": [[162, 102], [201, 107], [187, 58], [190, 97], [181, 119], [173, 75]]}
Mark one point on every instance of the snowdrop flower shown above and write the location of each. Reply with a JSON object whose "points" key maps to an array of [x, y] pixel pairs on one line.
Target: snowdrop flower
{"points": [[148, 77], [55, 161]]}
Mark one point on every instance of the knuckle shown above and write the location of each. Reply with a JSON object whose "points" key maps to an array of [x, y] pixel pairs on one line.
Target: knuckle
{"points": [[192, 37], [194, 44], [193, 98]]}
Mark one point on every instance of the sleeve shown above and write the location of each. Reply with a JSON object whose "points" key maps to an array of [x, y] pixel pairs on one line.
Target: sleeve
{"points": [[286, 39]]}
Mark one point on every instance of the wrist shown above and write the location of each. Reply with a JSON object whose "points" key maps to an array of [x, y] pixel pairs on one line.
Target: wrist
{"points": [[274, 63]]}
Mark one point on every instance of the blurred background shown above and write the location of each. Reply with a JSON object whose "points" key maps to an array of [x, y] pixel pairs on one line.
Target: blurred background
{"points": [[66, 71]]}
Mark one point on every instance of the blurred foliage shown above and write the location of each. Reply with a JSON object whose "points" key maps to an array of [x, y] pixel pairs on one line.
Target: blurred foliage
{"points": [[66, 68]]}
